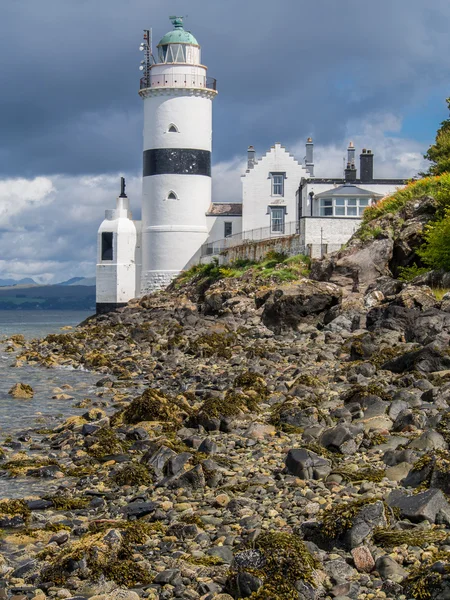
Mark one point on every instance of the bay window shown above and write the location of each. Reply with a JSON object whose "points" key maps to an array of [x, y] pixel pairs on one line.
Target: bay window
{"points": [[343, 207]]}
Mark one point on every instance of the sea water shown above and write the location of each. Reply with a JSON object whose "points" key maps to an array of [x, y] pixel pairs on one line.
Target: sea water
{"points": [[42, 411]]}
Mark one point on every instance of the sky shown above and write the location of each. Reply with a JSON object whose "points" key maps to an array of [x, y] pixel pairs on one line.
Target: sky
{"points": [[71, 121]]}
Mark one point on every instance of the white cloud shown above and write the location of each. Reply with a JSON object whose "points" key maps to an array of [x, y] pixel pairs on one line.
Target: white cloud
{"points": [[394, 156], [19, 195], [49, 229]]}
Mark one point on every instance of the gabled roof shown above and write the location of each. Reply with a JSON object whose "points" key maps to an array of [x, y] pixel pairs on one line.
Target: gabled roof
{"points": [[347, 190], [223, 209], [276, 146]]}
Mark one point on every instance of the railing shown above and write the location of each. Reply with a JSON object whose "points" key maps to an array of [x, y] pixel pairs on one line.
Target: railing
{"points": [[252, 235], [178, 81]]}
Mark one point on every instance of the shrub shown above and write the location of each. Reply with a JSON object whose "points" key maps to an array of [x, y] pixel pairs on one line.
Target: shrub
{"points": [[439, 153], [409, 273], [435, 252]]}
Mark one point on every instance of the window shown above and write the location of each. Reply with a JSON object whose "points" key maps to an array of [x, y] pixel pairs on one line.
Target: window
{"points": [[172, 53], [173, 128], [343, 207], [326, 208], [278, 183], [107, 245], [172, 196], [228, 229], [277, 220]]}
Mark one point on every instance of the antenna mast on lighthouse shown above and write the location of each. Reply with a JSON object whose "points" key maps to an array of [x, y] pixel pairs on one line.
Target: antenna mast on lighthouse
{"points": [[146, 46]]}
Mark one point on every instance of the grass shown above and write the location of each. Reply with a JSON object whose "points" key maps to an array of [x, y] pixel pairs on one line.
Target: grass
{"points": [[275, 266], [439, 293], [438, 187]]}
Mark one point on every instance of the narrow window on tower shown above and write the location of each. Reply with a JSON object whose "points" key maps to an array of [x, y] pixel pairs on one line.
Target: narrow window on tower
{"points": [[107, 245], [173, 128], [228, 229], [172, 196]]}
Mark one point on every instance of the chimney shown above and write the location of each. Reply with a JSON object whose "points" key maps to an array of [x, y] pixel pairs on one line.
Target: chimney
{"points": [[250, 157], [366, 166], [351, 154], [309, 162], [350, 173]]}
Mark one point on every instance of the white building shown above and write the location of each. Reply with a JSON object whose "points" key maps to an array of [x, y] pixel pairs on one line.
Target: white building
{"points": [[180, 224], [281, 196]]}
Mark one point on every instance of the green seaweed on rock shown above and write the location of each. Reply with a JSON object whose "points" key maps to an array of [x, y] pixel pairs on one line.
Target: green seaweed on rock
{"points": [[339, 518], [107, 442], [133, 474], [422, 582], [391, 538], [286, 560]]}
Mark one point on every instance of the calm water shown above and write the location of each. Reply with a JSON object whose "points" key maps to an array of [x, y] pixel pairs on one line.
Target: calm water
{"points": [[38, 323], [41, 411]]}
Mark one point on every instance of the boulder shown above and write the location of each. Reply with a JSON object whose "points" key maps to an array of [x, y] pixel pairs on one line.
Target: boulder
{"points": [[340, 438], [424, 506], [359, 264], [307, 465], [306, 301], [429, 359]]}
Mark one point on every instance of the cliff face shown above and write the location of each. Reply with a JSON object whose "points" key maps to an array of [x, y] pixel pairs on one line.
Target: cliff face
{"points": [[296, 430]]}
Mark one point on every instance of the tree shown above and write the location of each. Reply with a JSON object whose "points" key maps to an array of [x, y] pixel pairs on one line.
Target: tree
{"points": [[439, 153]]}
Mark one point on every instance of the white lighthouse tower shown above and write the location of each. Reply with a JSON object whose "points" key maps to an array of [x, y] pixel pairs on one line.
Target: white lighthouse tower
{"points": [[176, 189]]}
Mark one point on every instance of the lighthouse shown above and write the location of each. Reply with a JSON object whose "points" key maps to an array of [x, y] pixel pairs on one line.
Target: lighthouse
{"points": [[176, 185]]}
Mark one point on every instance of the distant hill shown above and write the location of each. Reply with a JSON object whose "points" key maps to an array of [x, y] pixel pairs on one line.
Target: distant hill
{"points": [[26, 280], [78, 281], [47, 297]]}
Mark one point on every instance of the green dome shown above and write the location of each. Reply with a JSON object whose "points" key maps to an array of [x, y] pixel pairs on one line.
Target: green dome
{"points": [[178, 35]]}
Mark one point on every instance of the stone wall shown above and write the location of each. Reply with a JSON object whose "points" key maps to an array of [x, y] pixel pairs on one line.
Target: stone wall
{"points": [[289, 244]]}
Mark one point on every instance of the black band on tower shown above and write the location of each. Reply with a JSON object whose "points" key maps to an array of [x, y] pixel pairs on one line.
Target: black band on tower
{"points": [[178, 161]]}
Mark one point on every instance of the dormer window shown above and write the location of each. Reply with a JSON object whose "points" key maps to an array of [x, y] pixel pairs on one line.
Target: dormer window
{"points": [[173, 128], [278, 183], [172, 196]]}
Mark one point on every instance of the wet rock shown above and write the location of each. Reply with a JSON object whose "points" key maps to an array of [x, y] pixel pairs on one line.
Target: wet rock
{"points": [[307, 465], [21, 391]]}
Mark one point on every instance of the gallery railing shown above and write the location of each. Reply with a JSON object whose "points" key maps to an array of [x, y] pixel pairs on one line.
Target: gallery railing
{"points": [[178, 81]]}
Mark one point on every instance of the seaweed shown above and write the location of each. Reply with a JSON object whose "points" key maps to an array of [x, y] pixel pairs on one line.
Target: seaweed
{"points": [[133, 474], [339, 519], [412, 537], [283, 561]]}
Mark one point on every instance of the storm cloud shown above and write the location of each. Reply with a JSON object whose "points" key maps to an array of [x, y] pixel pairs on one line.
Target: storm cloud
{"points": [[374, 72]]}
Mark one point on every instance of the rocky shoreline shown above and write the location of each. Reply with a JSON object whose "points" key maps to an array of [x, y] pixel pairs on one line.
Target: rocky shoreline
{"points": [[250, 438]]}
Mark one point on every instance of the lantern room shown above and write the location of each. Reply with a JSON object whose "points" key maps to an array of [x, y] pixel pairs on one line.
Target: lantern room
{"points": [[179, 46]]}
